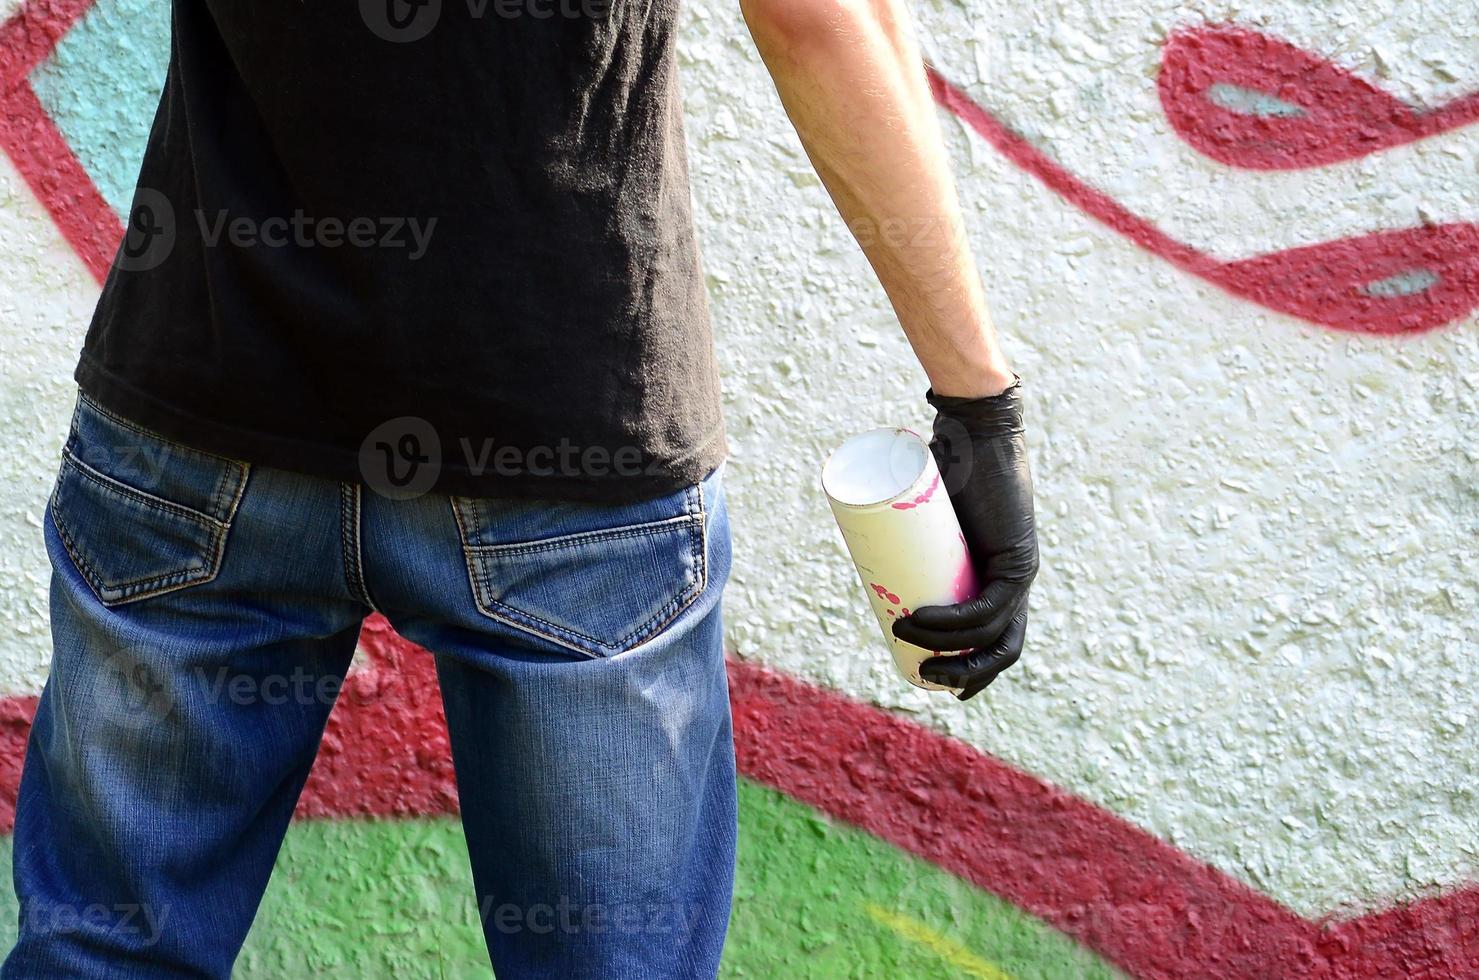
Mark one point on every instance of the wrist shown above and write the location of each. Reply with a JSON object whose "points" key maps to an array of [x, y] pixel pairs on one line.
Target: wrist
{"points": [[1000, 413], [985, 384]]}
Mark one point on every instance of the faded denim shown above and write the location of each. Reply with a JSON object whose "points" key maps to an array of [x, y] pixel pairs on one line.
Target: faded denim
{"points": [[194, 598]]}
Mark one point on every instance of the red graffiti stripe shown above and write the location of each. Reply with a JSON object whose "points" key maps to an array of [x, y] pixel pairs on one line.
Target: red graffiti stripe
{"points": [[385, 752], [29, 36], [1138, 901], [1300, 110], [46, 163], [15, 725], [1154, 910], [1388, 282], [38, 149]]}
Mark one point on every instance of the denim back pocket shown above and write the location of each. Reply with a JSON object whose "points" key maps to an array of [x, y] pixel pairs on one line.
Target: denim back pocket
{"points": [[594, 579], [140, 515]]}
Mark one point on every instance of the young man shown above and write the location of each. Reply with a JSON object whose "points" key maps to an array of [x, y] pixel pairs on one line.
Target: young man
{"points": [[410, 318]]}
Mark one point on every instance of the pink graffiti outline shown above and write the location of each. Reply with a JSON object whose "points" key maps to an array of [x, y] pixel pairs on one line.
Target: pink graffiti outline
{"points": [[1358, 284], [1318, 113]]}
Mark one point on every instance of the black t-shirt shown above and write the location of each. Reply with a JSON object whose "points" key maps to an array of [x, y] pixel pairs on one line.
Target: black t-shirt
{"points": [[379, 240]]}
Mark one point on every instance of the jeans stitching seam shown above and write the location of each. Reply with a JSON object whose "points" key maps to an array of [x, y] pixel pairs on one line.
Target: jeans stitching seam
{"points": [[148, 586], [344, 541], [111, 485], [359, 548], [482, 585], [701, 546], [660, 620], [481, 588], [650, 529], [349, 543], [467, 562], [479, 578], [160, 583], [219, 495], [244, 471], [520, 624], [696, 533], [656, 622]]}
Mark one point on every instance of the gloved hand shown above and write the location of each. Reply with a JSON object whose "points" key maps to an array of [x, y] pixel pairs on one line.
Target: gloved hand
{"points": [[982, 454]]}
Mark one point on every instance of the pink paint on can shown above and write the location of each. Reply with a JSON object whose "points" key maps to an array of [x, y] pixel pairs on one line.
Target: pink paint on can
{"points": [[967, 585], [902, 533], [885, 594], [920, 500]]}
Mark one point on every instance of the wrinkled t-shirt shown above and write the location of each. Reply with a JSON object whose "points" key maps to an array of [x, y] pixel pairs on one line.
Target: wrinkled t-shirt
{"points": [[444, 245]]}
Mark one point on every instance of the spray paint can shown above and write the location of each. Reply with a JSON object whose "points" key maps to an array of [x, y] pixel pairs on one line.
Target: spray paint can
{"points": [[901, 531]]}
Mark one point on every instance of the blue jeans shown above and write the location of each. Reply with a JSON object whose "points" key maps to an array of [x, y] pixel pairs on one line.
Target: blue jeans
{"points": [[204, 612]]}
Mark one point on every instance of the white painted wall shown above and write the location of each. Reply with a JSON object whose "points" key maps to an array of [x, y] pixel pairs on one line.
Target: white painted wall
{"points": [[46, 299], [1254, 632]]}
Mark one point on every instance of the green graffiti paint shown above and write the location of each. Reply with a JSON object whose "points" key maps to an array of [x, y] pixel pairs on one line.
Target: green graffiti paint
{"points": [[378, 898], [369, 898], [821, 899]]}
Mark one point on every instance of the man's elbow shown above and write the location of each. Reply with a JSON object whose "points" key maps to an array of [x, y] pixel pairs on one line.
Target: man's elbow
{"points": [[797, 24]]}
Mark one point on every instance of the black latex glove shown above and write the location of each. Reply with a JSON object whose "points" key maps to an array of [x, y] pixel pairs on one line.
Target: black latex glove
{"points": [[982, 454]]}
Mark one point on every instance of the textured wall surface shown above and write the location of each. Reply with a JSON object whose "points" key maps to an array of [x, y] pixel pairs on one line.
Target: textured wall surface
{"points": [[1232, 248], [1255, 632]]}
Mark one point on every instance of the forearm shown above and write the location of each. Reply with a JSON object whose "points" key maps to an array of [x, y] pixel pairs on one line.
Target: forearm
{"points": [[851, 79]]}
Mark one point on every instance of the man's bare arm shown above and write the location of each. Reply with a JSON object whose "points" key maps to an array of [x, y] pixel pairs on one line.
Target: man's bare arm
{"points": [[851, 79]]}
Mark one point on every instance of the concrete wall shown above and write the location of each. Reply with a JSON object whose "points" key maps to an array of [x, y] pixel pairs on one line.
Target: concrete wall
{"points": [[1255, 633], [1240, 281]]}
